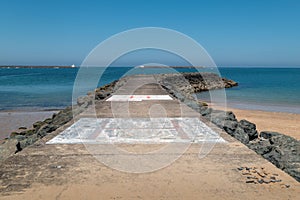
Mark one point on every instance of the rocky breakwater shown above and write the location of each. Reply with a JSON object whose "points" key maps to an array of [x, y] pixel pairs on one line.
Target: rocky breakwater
{"points": [[281, 150], [24, 137], [184, 85]]}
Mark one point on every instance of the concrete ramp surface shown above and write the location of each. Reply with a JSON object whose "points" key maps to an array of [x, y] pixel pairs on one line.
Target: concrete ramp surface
{"points": [[137, 130]]}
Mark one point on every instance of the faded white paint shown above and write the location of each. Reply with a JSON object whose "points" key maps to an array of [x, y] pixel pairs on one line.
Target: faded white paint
{"points": [[137, 130]]}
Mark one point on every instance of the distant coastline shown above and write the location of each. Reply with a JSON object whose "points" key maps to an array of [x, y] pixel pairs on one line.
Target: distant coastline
{"points": [[145, 66], [274, 89], [35, 66], [73, 66]]}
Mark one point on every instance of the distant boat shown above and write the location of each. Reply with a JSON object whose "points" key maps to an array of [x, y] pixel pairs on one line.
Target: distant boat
{"points": [[73, 66], [142, 66], [56, 67]]}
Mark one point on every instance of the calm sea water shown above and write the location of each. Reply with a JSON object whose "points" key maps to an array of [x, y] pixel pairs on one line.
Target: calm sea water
{"points": [[270, 89], [273, 89]]}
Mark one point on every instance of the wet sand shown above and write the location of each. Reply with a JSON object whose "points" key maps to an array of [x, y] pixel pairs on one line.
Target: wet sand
{"points": [[12, 120], [285, 123]]}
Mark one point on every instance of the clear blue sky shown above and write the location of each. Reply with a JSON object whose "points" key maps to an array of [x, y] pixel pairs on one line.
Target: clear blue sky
{"points": [[241, 32]]}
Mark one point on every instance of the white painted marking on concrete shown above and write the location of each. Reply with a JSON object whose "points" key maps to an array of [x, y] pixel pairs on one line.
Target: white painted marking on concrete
{"points": [[138, 97], [137, 130]]}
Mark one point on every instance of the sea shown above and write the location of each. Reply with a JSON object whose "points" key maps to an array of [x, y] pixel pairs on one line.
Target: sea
{"points": [[260, 88]]}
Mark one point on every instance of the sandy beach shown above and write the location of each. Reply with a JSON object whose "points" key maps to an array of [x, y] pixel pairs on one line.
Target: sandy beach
{"points": [[12, 120], [285, 123]]}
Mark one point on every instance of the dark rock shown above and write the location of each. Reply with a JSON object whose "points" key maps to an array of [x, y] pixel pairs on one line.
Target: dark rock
{"points": [[268, 134], [261, 147], [106, 90], [22, 128], [284, 141], [54, 115], [240, 135], [188, 83], [28, 141], [224, 115], [276, 181], [38, 124], [48, 121], [19, 137], [84, 100], [28, 132], [204, 111], [77, 110], [62, 117], [219, 118], [249, 128], [202, 103], [171, 92], [267, 181], [14, 134], [25, 132], [229, 83], [230, 126], [179, 96], [230, 116], [261, 181], [275, 156], [192, 104], [100, 95], [294, 172], [18, 147], [43, 131]]}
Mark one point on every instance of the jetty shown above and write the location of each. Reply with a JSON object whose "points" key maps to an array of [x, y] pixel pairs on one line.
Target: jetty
{"points": [[141, 143]]}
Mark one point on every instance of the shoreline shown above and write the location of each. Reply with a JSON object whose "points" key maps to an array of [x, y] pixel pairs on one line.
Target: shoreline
{"points": [[33, 110], [267, 107], [11, 120], [34, 66], [282, 122]]}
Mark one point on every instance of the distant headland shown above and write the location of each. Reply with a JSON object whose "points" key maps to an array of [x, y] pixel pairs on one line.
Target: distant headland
{"points": [[36, 66]]}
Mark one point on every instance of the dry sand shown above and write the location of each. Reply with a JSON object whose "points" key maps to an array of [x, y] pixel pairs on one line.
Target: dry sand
{"points": [[285, 123]]}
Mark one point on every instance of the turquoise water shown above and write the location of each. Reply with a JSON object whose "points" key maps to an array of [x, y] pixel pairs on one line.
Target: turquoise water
{"points": [[273, 89], [50, 88]]}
